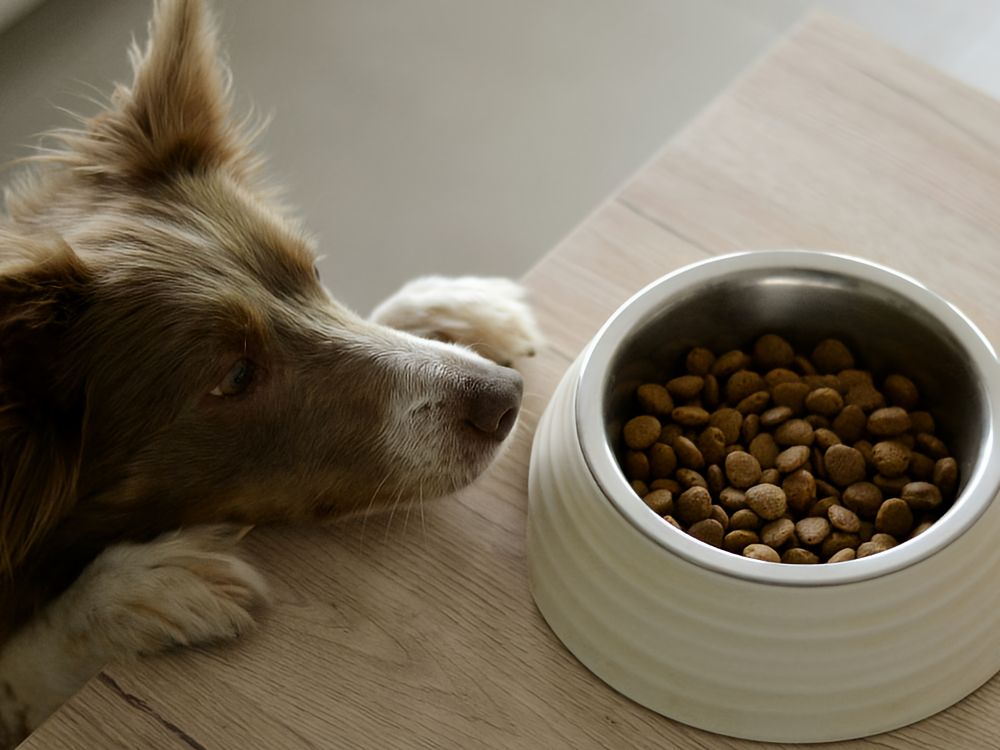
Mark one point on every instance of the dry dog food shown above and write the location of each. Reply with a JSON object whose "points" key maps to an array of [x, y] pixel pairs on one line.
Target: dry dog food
{"points": [[788, 458]]}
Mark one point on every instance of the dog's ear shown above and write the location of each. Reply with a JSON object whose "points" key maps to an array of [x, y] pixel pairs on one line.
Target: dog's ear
{"points": [[176, 114], [43, 291]]}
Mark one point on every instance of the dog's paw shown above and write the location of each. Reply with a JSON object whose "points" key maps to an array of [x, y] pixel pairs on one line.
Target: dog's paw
{"points": [[183, 588], [488, 315]]}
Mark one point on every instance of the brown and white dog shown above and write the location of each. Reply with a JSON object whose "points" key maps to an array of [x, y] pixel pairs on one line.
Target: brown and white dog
{"points": [[172, 369]]}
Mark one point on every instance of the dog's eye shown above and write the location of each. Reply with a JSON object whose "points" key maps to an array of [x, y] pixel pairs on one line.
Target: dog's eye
{"points": [[236, 380]]}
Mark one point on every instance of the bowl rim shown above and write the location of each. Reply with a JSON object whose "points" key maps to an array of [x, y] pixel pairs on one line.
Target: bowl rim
{"points": [[980, 488]]}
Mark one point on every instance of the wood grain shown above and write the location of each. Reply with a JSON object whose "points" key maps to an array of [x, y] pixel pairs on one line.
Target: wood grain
{"points": [[418, 631]]}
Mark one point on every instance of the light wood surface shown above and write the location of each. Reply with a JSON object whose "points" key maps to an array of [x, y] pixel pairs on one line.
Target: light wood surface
{"points": [[420, 632]]}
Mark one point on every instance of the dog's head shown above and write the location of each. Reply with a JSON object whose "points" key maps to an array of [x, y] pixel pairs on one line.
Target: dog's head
{"points": [[167, 352]]}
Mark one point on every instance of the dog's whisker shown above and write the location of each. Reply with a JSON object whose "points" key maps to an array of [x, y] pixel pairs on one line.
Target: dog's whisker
{"points": [[420, 507], [368, 512], [406, 518], [392, 513]]}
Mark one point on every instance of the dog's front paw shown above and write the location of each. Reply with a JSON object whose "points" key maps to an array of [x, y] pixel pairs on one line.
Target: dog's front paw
{"points": [[183, 588], [488, 315]]}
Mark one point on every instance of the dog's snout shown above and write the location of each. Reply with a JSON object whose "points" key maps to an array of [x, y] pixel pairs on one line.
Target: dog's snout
{"points": [[493, 403]]}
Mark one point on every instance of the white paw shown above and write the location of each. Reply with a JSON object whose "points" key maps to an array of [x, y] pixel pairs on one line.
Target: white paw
{"points": [[488, 315], [183, 588]]}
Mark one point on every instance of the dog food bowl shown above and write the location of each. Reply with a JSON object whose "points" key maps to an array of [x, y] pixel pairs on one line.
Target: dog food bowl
{"points": [[769, 651]]}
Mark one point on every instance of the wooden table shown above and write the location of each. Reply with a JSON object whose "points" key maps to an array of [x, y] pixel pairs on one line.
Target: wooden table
{"points": [[421, 632]]}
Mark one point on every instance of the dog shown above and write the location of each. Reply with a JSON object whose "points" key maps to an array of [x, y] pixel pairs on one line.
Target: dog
{"points": [[172, 371]]}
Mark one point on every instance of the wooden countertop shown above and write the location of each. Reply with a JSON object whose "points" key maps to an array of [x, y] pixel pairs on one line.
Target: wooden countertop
{"points": [[421, 632]]}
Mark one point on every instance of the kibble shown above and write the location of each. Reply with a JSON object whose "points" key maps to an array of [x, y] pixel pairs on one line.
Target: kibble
{"points": [[729, 422], [700, 360], [843, 519], [687, 453], [662, 460], [744, 518], [654, 399], [891, 486], [709, 531], [878, 543], [851, 377], [799, 556], [826, 402], [850, 423], [864, 498], [844, 465], [770, 476], [754, 404], [641, 432], [865, 397], [794, 432], [690, 478], [690, 416], [932, 445], [741, 384], [720, 515], [791, 459], [825, 489], [781, 457], [661, 502], [894, 517], [761, 552], [670, 432], [666, 484], [832, 355], [825, 438], [694, 504], [685, 386], [889, 421], [821, 508], [945, 476], [737, 541], [710, 394], [733, 499], [729, 363], [800, 490], [712, 445], [767, 501], [742, 469], [836, 541], [770, 351], [891, 458], [716, 479], [900, 391], [764, 449], [776, 533], [637, 465], [775, 416], [922, 421], [812, 530], [791, 395], [847, 553], [921, 496]]}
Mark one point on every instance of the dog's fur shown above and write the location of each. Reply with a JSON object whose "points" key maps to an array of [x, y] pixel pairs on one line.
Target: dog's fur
{"points": [[143, 265]]}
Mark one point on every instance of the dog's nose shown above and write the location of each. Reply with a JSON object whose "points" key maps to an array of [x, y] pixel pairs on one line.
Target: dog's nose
{"points": [[493, 403]]}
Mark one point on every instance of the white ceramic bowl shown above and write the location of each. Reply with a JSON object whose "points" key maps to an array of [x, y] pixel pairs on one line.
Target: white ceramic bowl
{"points": [[795, 653]]}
